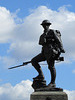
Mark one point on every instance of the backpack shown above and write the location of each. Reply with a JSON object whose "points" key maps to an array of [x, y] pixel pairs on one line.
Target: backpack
{"points": [[58, 34]]}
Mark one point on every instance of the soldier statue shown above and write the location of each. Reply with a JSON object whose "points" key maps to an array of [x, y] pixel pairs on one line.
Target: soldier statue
{"points": [[51, 49]]}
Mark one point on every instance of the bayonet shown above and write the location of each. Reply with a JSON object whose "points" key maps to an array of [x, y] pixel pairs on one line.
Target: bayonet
{"points": [[24, 63]]}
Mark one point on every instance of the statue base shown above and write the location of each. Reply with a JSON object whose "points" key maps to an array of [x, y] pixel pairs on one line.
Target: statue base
{"points": [[49, 89], [49, 95], [40, 85], [43, 92]]}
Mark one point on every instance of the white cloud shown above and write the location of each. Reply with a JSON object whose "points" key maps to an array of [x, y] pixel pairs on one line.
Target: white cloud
{"points": [[20, 91], [24, 36], [7, 25], [71, 94]]}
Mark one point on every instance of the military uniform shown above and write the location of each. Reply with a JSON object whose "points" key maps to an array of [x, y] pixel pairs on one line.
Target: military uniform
{"points": [[51, 49], [52, 44]]}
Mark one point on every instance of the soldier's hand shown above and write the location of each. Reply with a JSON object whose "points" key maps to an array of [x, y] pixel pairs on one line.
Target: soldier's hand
{"points": [[25, 63]]}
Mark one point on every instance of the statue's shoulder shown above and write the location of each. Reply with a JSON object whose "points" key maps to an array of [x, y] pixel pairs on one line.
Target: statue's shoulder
{"points": [[55, 32], [51, 30], [42, 35]]}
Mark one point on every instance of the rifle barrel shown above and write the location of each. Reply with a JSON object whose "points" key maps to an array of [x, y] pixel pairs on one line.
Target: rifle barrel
{"points": [[15, 66]]}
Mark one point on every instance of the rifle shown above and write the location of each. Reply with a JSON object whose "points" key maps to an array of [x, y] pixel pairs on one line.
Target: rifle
{"points": [[24, 63]]}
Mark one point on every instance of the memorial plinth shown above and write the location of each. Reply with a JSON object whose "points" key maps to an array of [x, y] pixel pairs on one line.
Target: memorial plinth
{"points": [[43, 92], [49, 95]]}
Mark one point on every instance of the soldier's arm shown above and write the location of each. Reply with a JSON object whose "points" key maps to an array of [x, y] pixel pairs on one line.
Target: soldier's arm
{"points": [[42, 40]]}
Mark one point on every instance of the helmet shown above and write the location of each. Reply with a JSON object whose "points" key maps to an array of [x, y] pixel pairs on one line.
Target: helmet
{"points": [[46, 22]]}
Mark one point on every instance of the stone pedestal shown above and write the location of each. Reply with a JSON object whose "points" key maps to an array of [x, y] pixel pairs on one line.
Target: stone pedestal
{"points": [[49, 95]]}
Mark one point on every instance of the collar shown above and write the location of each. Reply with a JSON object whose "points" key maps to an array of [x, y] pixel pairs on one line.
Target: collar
{"points": [[46, 31]]}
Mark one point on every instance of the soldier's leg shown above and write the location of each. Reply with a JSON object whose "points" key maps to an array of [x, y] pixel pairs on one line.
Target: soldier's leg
{"points": [[52, 70], [35, 62]]}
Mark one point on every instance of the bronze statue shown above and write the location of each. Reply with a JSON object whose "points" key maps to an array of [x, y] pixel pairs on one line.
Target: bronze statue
{"points": [[51, 49]]}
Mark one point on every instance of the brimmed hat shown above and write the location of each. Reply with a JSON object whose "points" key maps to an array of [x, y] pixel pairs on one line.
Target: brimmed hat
{"points": [[46, 22]]}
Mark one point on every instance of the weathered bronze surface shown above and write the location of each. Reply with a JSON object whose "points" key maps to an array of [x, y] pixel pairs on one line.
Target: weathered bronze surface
{"points": [[51, 50]]}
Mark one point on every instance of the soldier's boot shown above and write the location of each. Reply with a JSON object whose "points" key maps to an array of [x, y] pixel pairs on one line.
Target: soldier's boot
{"points": [[39, 70], [53, 77], [50, 85]]}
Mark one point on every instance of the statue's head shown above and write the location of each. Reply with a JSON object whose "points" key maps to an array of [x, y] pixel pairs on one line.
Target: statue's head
{"points": [[46, 24]]}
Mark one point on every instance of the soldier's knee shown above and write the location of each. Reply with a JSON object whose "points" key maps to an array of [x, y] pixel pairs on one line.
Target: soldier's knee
{"points": [[51, 68], [33, 62], [51, 65]]}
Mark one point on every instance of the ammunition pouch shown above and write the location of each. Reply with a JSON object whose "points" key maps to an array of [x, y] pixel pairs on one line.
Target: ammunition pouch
{"points": [[60, 59]]}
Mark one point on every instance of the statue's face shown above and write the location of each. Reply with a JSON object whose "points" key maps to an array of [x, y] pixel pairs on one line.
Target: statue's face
{"points": [[45, 26]]}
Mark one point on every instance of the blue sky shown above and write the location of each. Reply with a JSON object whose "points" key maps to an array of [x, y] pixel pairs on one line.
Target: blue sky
{"points": [[19, 35], [25, 6]]}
